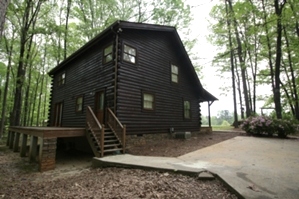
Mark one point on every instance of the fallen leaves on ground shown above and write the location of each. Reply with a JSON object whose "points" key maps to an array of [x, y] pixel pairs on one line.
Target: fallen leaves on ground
{"points": [[19, 178]]}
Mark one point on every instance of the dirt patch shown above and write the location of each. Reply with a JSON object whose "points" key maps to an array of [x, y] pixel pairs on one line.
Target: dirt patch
{"points": [[166, 146], [74, 177]]}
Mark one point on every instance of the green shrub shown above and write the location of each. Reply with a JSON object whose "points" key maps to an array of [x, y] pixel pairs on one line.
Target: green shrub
{"points": [[263, 125]]}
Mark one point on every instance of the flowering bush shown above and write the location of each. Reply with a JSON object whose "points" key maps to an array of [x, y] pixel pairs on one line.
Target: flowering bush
{"points": [[263, 125], [283, 128]]}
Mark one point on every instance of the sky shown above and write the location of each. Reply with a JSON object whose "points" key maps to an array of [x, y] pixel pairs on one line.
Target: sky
{"points": [[206, 51], [211, 82]]}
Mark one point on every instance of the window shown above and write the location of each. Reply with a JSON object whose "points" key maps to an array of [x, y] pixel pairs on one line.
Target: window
{"points": [[107, 54], [129, 54], [79, 104], [174, 73], [187, 110], [148, 101], [61, 79]]}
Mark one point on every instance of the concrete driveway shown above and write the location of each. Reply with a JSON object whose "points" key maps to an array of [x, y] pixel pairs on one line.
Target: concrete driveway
{"points": [[254, 167], [258, 168]]}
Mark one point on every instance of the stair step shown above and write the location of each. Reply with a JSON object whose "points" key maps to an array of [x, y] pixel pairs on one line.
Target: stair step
{"points": [[105, 133], [109, 136], [111, 145], [107, 141], [112, 150]]}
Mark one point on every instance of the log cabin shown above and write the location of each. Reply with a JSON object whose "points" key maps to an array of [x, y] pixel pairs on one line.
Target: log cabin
{"points": [[139, 73], [132, 78]]}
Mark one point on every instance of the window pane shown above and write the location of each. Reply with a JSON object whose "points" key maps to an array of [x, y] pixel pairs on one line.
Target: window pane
{"points": [[148, 97], [174, 73], [174, 78], [61, 79], [186, 109], [107, 58], [129, 54], [107, 54], [129, 50], [174, 69], [129, 58], [148, 101], [79, 104], [108, 50]]}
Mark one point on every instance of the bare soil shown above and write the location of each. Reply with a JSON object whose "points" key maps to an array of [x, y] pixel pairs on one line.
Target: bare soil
{"points": [[75, 178]]}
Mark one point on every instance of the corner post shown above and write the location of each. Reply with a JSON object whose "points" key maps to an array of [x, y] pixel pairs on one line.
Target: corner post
{"points": [[33, 148], [16, 142], [11, 139], [24, 145], [47, 154]]}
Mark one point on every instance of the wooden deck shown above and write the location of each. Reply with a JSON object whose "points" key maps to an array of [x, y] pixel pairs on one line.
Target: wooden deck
{"points": [[49, 131], [43, 141]]}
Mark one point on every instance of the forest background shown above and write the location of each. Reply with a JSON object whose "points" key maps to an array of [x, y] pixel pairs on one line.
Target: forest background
{"points": [[256, 42]]}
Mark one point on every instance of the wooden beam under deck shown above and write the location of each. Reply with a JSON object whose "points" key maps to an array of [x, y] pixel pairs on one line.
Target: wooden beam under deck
{"points": [[49, 132], [47, 143]]}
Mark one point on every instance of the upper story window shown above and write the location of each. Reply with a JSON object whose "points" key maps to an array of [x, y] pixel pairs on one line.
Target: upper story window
{"points": [[187, 110], [61, 79], [107, 54], [79, 104], [148, 101], [174, 73], [129, 54]]}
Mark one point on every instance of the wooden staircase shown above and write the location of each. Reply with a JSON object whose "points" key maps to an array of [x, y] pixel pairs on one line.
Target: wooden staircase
{"points": [[103, 140], [111, 143]]}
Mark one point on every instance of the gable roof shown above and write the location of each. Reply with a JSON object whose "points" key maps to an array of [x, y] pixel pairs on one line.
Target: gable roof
{"points": [[118, 25]]}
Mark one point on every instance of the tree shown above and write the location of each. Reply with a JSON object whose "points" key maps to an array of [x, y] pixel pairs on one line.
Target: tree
{"points": [[27, 21], [260, 37]]}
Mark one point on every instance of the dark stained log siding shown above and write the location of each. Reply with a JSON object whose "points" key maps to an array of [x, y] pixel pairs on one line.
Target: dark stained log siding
{"points": [[85, 75], [152, 73]]}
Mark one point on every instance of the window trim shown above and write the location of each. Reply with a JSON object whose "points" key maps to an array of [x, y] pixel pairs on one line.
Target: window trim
{"points": [[77, 104], [106, 55], [172, 73], [184, 110], [61, 79], [124, 53], [153, 102]]}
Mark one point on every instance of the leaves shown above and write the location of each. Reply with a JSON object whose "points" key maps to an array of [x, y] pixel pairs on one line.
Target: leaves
{"points": [[257, 26]]}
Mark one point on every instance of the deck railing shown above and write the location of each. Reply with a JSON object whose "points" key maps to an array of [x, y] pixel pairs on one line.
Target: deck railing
{"points": [[117, 127], [96, 128]]}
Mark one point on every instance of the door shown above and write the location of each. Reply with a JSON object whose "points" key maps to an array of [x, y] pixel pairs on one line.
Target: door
{"points": [[100, 106], [58, 114]]}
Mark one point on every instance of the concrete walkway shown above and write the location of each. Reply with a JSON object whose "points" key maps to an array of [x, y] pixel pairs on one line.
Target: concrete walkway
{"points": [[254, 167]]}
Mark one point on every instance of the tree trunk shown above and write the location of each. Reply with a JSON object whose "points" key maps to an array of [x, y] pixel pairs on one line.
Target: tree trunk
{"points": [[232, 67], [29, 19], [3, 113], [277, 101], [269, 46], [241, 60], [292, 81], [69, 2]]}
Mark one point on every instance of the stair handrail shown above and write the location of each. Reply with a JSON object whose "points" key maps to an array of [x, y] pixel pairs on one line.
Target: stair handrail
{"points": [[94, 123], [117, 127]]}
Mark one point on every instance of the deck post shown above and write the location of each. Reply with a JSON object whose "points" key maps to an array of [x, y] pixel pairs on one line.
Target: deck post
{"points": [[11, 139], [47, 154], [8, 138], [16, 142], [33, 148], [24, 145]]}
